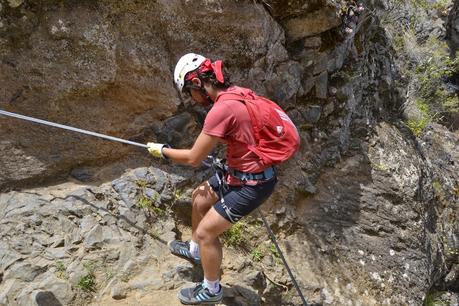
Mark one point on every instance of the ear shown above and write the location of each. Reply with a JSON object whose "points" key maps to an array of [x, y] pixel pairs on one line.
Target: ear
{"points": [[196, 82]]}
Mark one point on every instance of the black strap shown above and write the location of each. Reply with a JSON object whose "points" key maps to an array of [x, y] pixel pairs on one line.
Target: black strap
{"points": [[267, 174]]}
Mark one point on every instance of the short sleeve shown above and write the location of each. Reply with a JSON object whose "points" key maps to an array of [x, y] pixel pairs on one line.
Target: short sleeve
{"points": [[219, 121]]}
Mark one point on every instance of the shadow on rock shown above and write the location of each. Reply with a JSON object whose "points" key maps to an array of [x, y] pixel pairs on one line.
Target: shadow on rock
{"points": [[46, 298], [240, 296]]}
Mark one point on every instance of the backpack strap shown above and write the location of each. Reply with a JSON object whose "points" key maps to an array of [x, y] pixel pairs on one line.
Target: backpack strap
{"points": [[245, 96]]}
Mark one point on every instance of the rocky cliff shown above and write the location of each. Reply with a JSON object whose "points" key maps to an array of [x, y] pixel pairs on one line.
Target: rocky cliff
{"points": [[366, 213]]}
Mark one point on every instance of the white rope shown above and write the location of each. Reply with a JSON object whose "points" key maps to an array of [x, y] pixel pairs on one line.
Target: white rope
{"points": [[65, 127]]}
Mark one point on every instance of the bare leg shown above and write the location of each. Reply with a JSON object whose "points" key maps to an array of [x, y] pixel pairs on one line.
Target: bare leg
{"points": [[207, 232], [203, 198]]}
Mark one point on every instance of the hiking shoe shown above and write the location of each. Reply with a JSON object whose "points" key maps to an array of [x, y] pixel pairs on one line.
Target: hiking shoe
{"points": [[182, 249], [199, 295]]}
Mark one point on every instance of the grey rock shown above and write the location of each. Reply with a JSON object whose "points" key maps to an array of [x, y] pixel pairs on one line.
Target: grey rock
{"points": [[15, 3], [95, 237], [322, 85], [328, 109], [127, 190], [56, 253], [24, 271], [314, 23], [185, 272], [255, 280], [8, 291], [313, 114], [87, 224], [119, 291]]}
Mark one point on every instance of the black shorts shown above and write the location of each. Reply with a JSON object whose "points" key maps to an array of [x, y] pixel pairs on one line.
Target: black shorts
{"points": [[239, 201]]}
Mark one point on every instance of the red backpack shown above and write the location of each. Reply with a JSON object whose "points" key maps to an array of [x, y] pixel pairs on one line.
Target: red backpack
{"points": [[276, 136]]}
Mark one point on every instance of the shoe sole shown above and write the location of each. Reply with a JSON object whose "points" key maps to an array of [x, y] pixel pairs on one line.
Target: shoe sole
{"points": [[191, 260], [201, 303]]}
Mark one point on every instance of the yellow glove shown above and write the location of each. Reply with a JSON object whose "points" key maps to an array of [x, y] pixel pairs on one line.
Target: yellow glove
{"points": [[156, 149]]}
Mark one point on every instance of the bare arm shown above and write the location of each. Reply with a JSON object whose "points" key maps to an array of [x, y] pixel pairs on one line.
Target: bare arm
{"points": [[194, 156]]}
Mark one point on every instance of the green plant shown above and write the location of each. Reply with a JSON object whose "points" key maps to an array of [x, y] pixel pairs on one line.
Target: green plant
{"points": [[274, 251], [425, 65], [88, 281], [398, 42], [179, 194], [437, 187], [441, 5], [379, 166], [434, 299], [158, 211], [257, 254], [108, 275], [235, 235], [61, 270], [148, 202], [452, 104], [144, 201], [141, 183], [418, 125], [430, 73]]}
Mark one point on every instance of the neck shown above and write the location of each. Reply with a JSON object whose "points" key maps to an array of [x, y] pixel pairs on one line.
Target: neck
{"points": [[212, 92]]}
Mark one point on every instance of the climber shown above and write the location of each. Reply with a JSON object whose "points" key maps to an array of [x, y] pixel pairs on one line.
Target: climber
{"points": [[351, 16], [250, 180]]}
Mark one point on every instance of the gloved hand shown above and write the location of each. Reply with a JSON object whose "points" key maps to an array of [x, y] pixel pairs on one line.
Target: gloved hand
{"points": [[156, 149]]}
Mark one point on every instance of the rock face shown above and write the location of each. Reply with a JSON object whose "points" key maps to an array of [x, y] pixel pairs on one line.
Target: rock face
{"points": [[107, 67], [366, 213], [453, 28]]}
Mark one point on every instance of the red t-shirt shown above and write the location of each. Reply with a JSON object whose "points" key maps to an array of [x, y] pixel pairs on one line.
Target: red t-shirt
{"points": [[229, 120]]}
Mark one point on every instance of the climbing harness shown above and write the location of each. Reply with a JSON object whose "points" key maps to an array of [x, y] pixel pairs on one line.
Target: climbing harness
{"points": [[220, 170], [66, 127]]}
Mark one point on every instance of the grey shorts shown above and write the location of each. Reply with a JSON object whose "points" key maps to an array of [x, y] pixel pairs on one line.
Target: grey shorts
{"points": [[239, 201]]}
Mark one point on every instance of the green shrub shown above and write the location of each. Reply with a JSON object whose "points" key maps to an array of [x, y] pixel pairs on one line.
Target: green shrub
{"points": [[235, 236], [429, 76], [426, 64], [418, 125], [88, 281]]}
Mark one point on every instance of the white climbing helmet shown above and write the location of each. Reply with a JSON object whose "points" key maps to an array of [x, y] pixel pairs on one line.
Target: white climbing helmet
{"points": [[186, 63]]}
